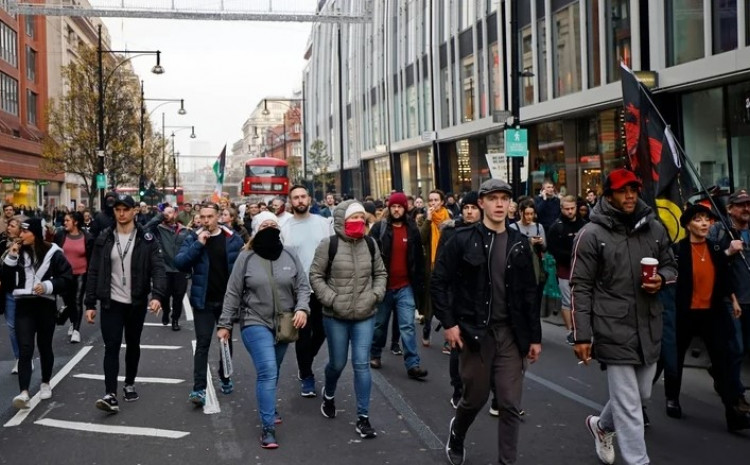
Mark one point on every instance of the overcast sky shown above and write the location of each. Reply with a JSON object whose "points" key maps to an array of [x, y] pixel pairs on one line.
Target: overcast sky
{"points": [[221, 68]]}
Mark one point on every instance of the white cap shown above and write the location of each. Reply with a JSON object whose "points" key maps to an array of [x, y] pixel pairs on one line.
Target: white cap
{"points": [[354, 207], [261, 218]]}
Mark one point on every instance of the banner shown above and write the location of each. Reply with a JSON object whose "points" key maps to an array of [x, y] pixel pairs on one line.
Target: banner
{"points": [[218, 167]]}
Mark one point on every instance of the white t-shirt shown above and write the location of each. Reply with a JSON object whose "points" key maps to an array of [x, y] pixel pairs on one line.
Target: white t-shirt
{"points": [[121, 282], [303, 236]]}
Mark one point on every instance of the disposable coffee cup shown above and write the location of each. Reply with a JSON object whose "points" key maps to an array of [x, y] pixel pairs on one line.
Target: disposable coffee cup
{"points": [[649, 267]]}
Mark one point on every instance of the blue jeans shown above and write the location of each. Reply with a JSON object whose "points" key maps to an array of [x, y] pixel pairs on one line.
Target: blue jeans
{"points": [[403, 301], [267, 357], [10, 320], [340, 333], [738, 346]]}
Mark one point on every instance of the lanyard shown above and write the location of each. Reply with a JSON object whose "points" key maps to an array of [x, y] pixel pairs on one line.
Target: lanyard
{"points": [[125, 253]]}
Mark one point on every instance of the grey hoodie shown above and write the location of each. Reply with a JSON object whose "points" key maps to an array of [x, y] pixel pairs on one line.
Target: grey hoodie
{"points": [[357, 281], [608, 302]]}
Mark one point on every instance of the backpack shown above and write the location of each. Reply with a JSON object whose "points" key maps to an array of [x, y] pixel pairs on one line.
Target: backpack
{"points": [[333, 247]]}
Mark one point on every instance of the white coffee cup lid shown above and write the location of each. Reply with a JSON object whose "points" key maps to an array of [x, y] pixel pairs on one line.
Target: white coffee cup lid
{"points": [[649, 261]]}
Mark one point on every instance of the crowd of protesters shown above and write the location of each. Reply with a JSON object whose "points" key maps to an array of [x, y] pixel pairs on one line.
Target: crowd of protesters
{"points": [[476, 266]]}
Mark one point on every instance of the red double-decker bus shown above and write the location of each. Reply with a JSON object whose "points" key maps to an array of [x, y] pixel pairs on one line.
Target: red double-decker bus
{"points": [[266, 176]]}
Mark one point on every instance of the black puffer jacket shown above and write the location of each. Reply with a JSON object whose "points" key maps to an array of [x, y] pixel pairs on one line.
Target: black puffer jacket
{"points": [[462, 293], [382, 232], [147, 267]]}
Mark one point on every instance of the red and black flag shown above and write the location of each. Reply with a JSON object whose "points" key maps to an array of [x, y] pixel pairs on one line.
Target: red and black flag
{"points": [[653, 155]]}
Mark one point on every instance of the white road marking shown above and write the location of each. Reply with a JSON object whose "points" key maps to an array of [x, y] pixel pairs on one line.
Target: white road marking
{"points": [[155, 347], [187, 308], [112, 429], [212, 401], [137, 380], [156, 324], [22, 414]]}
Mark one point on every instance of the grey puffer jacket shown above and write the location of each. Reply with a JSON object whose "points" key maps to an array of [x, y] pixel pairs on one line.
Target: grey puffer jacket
{"points": [[608, 302], [356, 282]]}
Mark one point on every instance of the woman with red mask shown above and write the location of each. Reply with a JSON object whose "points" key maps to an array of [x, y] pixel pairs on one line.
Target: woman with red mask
{"points": [[349, 278]]}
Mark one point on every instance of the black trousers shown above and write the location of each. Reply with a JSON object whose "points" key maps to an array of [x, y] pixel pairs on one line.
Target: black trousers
{"points": [[205, 322], [176, 288], [35, 319], [311, 338], [715, 330], [73, 300], [116, 319]]}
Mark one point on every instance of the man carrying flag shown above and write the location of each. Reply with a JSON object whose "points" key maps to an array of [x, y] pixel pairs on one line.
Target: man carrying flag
{"points": [[218, 168]]}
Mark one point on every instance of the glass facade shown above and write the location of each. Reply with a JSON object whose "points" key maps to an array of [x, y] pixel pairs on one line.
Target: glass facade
{"points": [[416, 172], [549, 162], [566, 42], [380, 177], [496, 79], [467, 85], [738, 98], [541, 44], [704, 132], [724, 25], [684, 31], [618, 37], [594, 56]]}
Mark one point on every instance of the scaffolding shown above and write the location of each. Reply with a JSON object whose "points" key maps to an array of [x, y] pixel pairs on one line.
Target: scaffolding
{"points": [[323, 11]]}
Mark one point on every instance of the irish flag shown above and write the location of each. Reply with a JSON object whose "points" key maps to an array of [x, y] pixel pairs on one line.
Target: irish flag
{"points": [[219, 165]]}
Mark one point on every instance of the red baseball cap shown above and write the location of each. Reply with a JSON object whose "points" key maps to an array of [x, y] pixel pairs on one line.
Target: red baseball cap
{"points": [[620, 178]]}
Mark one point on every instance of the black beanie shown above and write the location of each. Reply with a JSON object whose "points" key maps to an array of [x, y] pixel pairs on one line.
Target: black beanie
{"points": [[34, 225], [470, 198]]}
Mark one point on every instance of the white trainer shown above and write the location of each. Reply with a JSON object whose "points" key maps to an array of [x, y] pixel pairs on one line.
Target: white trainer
{"points": [[21, 401], [605, 449], [45, 391], [14, 371], [71, 328], [75, 337]]}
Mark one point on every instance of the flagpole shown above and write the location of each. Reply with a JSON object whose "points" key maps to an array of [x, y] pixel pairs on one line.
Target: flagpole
{"points": [[684, 158]]}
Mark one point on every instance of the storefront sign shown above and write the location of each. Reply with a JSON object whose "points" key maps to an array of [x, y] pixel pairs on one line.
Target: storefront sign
{"points": [[42, 183], [428, 136], [7, 180], [516, 142], [101, 181], [498, 165]]}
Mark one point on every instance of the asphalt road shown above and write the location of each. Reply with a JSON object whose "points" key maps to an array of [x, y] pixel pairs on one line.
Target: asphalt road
{"points": [[411, 417]]}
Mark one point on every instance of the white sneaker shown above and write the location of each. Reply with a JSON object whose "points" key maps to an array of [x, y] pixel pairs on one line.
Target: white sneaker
{"points": [[71, 329], [14, 371], [75, 337], [602, 440], [45, 391], [21, 401]]}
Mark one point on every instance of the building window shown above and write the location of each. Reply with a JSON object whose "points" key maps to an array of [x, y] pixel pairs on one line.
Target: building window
{"points": [[618, 37], [550, 160], [8, 44], [594, 57], [724, 25], [31, 105], [704, 130], [738, 112], [30, 26], [541, 45], [467, 93], [495, 79], [412, 124], [566, 42], [30, 64], [747, 22], [446, 101], [527, 63], [8, 94], [684, 31], [466, 14]]}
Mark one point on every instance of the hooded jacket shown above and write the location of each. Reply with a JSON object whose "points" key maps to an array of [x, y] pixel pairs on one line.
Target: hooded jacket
{"points": [[147, 268], [608, 302], [356, 281], [192, 257], [462, 293]]}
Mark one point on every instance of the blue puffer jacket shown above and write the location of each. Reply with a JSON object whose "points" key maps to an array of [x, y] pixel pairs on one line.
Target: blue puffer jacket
{"points": [[192, 258]]}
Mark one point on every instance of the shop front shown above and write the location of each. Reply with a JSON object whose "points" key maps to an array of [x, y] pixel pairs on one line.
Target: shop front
{"points": [[462, 164], [379, 178], [417, 171]]}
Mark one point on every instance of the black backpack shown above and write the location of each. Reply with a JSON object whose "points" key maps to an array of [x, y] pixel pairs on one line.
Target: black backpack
{"points": [[333, 247]]}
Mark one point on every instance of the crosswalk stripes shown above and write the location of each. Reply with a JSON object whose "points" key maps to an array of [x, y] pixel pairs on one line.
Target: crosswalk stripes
{"points": [[112, 429], [139, 379]]}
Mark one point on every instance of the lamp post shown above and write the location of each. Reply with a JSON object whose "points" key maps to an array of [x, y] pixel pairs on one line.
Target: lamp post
{"points": [[157, 69], [165, 101], [177, 129]]}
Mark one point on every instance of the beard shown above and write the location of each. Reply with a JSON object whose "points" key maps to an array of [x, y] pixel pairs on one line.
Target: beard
{"points": [[400, 219], [301, 208]]}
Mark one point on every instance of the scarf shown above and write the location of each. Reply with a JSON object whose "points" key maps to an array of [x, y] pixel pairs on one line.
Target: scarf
{"points": [[438, 216], [267, 243]]}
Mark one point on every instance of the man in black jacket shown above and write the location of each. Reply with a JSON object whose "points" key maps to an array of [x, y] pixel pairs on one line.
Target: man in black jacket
{"points": [[121, 282], [495, 322], [401, 248], [560, 245]]}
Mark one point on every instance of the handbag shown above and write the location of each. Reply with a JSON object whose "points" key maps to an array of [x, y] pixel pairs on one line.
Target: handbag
{"points": [[283, 321]]}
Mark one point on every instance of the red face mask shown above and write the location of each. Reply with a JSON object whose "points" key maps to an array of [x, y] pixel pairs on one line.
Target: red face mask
{"points": [[354, 229]]}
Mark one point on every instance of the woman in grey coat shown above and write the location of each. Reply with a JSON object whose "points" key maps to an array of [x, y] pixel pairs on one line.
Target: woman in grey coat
{"points": [[250, 300]]}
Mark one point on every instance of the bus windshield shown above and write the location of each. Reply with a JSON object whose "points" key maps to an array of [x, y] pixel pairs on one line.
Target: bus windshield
{"points": [[265, 171]]}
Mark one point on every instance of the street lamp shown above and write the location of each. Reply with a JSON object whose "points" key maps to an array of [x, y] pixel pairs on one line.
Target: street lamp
{"points": [[176, 129], [165, 101], [157, 69]]}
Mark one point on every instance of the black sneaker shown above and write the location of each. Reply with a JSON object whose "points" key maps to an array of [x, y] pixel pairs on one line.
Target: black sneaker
{"points": [[129, 394], [364, 429], [455, 398], [108, 403], [396, 349], [416, 372], [454, 447], [570, 339], [494, 409], [328, 407], [268, 439]]}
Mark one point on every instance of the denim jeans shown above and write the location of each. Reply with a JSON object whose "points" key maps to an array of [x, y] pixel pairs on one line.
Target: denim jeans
{"points": [[10, 320], [358, 333], [267, 357], [403, 301]]}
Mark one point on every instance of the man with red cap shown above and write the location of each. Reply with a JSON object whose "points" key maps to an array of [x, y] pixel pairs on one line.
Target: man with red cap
{"points": [[400, 245], [621, 314]]}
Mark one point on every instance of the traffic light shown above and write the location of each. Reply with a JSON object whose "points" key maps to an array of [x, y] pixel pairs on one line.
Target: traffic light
{"points": [[141, 189]]}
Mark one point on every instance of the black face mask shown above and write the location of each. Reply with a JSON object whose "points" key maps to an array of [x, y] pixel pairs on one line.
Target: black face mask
{"points": [[267, 243]]}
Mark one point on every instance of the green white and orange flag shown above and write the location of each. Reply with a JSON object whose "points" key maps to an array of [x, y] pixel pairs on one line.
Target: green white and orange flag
{"points": [[218, 167]]}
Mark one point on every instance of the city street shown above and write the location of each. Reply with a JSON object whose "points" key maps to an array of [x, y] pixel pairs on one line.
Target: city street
{"points": [[411, 417]]}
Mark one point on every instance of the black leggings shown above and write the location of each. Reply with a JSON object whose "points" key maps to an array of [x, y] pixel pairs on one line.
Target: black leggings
{"points": [[73, 299], [35, 319]]}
